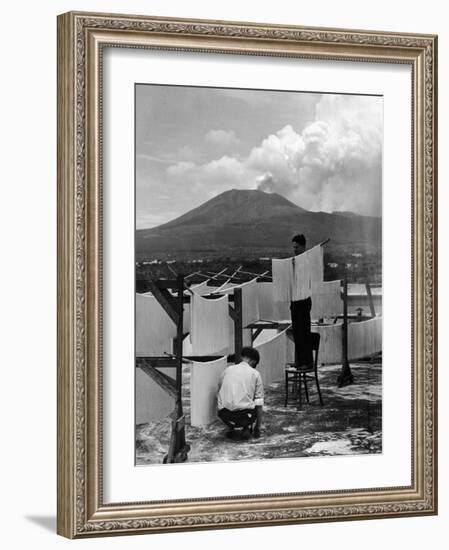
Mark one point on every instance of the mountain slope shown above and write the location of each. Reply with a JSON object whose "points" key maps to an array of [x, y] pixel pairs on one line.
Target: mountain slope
{"points": [[236, 206], [248, 219]]}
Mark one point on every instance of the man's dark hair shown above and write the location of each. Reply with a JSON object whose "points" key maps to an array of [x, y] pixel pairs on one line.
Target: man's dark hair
{"points": [[250, 353], [300, 239]]}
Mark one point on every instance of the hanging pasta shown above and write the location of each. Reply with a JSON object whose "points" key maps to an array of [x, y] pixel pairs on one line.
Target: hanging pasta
{"points": [[331, 343], [250, 300], [202, 289], [209, 325], [204, 381], [265, 292], [363, 338], [273, 356], [296, 278], [152, 402], [308, 269], [155, 330], [326, 300]]}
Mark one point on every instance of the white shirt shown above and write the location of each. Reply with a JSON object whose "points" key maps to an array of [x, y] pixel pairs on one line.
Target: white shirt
{"points": [[240, 388]]}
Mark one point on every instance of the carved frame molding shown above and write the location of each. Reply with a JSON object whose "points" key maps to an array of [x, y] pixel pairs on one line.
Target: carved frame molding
{"points": [[81, 38]]}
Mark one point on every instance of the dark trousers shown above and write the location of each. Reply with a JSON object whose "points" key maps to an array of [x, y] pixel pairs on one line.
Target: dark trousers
{"points": [[300, 311], [238, 419]]}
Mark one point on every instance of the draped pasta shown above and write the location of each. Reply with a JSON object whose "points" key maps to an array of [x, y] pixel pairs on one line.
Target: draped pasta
{"points": [[282, 311], [308, 272], [202, 289], [186, 318], [364, 338], [331, 343], [152, 402], [204, 380], [297, 277], [155, 330], [326, 300], [265, 292], [187, 346], [378, 335], [225, 286], [273, 355], [250, 303], [250, 300], [209, 325], [282, 279], [269, 308], [290, 350], [246, 336]]}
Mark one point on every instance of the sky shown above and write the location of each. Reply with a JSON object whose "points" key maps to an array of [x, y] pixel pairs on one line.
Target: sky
{"points": [[321, 151]]}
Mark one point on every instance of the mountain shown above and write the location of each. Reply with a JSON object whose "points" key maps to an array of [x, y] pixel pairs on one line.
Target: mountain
{"points": [[236, 206], [249, 219]]}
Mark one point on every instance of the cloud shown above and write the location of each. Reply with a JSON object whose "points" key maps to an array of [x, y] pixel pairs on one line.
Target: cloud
{"points": [[153, 158], [213, 145], [212, 177], [334, 163], [222, 138]]}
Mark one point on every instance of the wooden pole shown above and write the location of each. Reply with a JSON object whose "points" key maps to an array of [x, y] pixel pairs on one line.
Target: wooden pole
{"points": [[345, 377], [172, 270], [176, 275], [345, 322], [238, 324], [229, 279], [179, 337], [219, 273], [263, 275], [199, 275], [178, 448]]}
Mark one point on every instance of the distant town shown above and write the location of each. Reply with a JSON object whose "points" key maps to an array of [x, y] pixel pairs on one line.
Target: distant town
{"points": [[340, 261]]}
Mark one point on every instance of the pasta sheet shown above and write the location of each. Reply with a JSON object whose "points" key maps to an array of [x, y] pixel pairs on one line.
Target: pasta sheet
{"points": [[204, 380]]}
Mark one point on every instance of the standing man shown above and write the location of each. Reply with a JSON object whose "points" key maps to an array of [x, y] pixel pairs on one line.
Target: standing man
{"points": [[240, 396], [300, 313]]}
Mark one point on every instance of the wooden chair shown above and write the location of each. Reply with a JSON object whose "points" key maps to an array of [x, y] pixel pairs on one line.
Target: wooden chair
{"points": [[296, 377]]}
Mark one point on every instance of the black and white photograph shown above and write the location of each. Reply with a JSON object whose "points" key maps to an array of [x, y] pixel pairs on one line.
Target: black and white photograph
{"points": [[258, 274]]}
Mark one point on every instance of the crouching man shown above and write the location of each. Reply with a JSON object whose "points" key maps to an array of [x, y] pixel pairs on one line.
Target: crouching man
{"points": [[240, 396]]}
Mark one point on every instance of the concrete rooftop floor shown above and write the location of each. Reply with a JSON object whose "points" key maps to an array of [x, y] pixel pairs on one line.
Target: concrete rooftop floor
{"points": [[349, 423]]}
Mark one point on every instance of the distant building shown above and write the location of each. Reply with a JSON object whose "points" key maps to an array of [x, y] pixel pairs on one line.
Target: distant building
{"points": [[171, 261], [357, 255], [332, 264]]}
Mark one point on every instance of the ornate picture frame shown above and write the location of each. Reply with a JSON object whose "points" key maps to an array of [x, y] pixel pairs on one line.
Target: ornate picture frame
{"points": [[82, 39]]}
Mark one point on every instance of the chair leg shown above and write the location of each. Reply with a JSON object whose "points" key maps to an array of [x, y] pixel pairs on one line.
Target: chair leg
{"points": [[286, 390], [298, 381], [305, 387], [318, 388]]}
